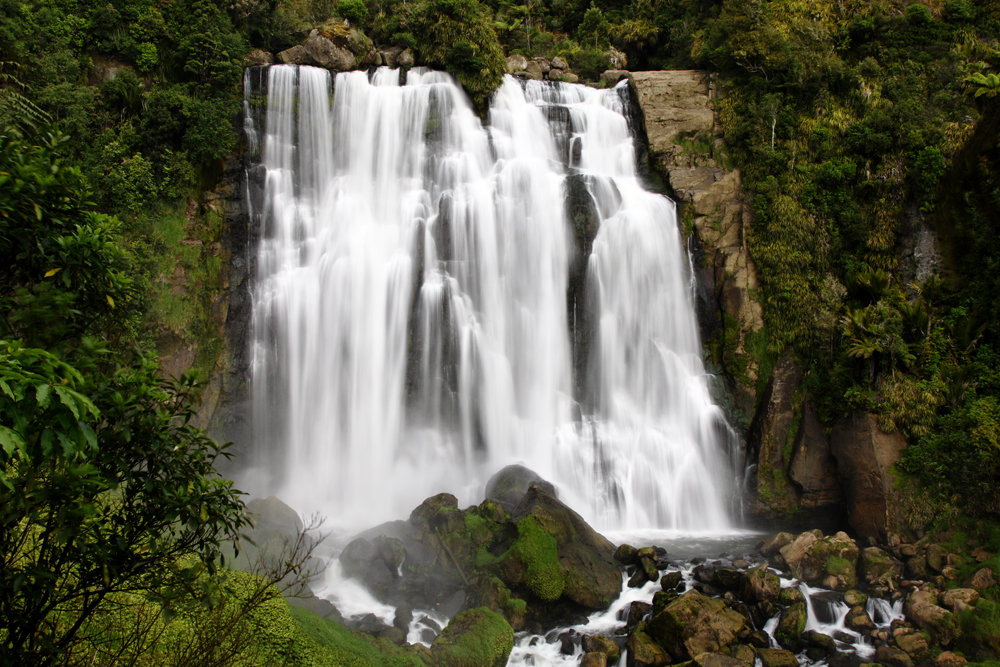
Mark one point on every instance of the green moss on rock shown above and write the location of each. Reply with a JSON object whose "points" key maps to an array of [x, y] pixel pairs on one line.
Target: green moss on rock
{"points": [[474, 638], [537, 551]]}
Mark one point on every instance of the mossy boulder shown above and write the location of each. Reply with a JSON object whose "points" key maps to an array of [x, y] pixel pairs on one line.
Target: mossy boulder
{"points": [[791, 625], [644, 652], [829, 561], [591, 577], [694, 624], [533, 561], [474, 638], [772, 657], [879, 569]]}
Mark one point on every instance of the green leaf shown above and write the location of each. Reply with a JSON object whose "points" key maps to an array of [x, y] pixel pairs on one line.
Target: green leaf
{"points": [[43, 394], [10, 440]]}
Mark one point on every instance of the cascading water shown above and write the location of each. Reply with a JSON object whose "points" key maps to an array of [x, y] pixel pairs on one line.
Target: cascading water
{"points": [[435, 299]]}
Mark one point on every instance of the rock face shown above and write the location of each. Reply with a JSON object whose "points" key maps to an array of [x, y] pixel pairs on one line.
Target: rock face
{"points": [[796, 473], [677, 110], [864, 455]]}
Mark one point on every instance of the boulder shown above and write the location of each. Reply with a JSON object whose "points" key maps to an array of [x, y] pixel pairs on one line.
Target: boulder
{"points": [[791, 625], [296, 55], [516, 63], [474, 637], [325, 53], [982, 579], [389, 56], [258, 57], [914, 644], [958, 599], [773, 544], [949, 659], [922, 609], [509, 484], [560, 63], [544, 64], [694, 624], [828, 561], [406, 58], [626, 554], [533, 70], [592, 577], [761, 585], [644, 652], [865, 455], [593, 660]]}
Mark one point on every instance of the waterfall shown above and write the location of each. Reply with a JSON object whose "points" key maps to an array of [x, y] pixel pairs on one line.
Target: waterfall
{"points": [[435, 299]]}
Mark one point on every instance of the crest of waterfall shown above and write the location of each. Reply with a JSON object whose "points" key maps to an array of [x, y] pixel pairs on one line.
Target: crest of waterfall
{"points": [[427, 309]]}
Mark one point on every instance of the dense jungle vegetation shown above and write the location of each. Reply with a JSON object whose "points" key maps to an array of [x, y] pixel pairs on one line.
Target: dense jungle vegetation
{"points": [[855, 124]]}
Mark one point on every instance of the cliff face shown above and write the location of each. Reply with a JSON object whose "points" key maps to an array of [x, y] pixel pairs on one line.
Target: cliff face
{"points": [[686, 147]]}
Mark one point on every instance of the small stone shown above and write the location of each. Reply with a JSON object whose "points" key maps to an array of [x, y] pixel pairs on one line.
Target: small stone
{"points": [[982, 579]]}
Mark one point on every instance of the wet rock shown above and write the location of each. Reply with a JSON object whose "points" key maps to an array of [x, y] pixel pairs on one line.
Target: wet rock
{"points": [[626, 554], [670, 580], [474, 637], [662, 598], [865, 455], [637, 611], [644, 652], [773, 544], [601, 644], [790, 595], [791, 625], [594, 660], [859, 620], [761, 585], [592, 577], [818, 640], [892, 657], [745, 655], [509, 485], [694, 624], [715, 660], [855, 598], [773, 657]]}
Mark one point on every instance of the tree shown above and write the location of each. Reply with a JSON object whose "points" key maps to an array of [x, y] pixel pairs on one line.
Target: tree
{"points": [[105, 485]]}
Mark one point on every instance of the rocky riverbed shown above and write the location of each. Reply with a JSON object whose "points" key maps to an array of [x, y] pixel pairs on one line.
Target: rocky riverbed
{"points": [[524, 580]]}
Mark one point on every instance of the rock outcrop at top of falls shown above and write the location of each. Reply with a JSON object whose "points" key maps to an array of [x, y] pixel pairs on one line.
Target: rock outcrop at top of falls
{"points": [[539, 564]]}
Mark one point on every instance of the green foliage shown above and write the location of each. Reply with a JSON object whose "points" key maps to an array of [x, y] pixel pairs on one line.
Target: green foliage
{"points": [[105, 484], [355, 11]]}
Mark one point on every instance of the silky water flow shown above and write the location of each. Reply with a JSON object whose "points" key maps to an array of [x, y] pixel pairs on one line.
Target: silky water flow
{"points": [[435, 299]]}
